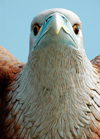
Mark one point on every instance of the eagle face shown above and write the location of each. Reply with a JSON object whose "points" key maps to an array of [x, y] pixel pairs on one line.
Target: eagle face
{"points": [[57, 27]]}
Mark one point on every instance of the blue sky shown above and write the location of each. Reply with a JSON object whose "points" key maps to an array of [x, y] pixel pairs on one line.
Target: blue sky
{"points": [[16, 17]]}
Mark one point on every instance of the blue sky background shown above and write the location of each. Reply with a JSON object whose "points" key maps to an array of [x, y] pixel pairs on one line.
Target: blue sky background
{"points": [[16, 17]]}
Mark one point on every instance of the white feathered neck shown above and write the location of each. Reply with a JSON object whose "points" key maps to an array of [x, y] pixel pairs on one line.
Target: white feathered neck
{"points": [[56, 90]]}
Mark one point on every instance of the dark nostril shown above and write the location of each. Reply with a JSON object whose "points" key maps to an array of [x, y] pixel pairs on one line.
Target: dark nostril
{"points": [[48, 19], [64, 18]]}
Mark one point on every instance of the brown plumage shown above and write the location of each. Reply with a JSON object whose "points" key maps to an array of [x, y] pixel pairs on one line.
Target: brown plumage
{"points": [[96, 63], [9, 68]]}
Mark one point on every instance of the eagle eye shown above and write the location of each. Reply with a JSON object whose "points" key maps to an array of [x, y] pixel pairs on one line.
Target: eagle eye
{"points": [[36, 29], [76, 29]]}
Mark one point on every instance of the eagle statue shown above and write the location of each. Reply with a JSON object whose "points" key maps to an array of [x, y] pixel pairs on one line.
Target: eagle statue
{"points": [[56, 94]]}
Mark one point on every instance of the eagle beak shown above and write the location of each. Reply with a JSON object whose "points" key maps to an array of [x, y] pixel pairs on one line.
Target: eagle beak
{"points": [[56, 21]]}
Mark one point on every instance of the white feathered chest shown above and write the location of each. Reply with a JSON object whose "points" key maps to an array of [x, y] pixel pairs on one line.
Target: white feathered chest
{"points": [[57, 96]]}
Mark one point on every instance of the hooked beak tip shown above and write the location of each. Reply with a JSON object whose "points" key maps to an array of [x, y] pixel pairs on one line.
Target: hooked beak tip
{"points": [[56, 31]]}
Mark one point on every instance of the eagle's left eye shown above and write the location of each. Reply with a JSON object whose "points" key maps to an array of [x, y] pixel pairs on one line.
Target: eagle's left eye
{"points": [[36, 29], [76, 29]]}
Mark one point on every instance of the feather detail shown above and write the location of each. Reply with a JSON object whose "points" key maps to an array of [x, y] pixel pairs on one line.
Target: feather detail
{"points": [[95, 111], [29, 125], [54, 129], [61, 128], [84, 136], [16, 110], [9, 120]]}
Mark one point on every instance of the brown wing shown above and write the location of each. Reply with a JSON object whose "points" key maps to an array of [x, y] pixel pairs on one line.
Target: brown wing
{"points": [[9, 67], [96, 64]]}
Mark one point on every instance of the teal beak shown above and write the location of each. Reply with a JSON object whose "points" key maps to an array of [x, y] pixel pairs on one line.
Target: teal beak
{"points": [[56, 21]]}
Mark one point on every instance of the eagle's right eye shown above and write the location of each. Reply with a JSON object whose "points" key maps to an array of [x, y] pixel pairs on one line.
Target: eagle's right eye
{"points": [[36, 29]]}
